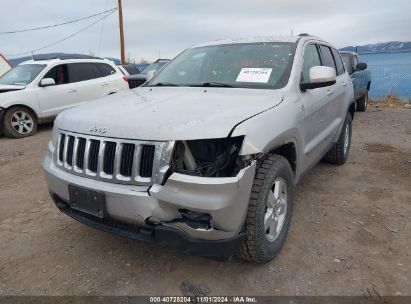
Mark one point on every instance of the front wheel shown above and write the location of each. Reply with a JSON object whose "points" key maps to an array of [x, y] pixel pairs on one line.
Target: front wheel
{"points": [[19, 122], [269, 211]]}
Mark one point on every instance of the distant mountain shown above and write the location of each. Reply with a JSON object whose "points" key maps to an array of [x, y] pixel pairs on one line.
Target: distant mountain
{"points": [[392, 46], [17, 61]]}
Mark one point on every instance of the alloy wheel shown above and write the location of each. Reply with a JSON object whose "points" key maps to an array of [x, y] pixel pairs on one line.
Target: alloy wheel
{"points": [[276, 209]]}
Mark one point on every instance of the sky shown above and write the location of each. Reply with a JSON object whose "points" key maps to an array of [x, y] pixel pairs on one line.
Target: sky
{"points": [[164, 28]]}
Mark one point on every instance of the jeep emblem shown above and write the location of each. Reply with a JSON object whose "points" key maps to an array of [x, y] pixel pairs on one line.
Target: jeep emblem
{"points": [[98, 129]]}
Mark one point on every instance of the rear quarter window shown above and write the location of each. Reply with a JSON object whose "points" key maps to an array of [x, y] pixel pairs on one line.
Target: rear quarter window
{"points": [[104, 69]]}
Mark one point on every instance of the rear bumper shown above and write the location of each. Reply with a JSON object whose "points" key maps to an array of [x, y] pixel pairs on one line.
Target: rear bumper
{"points": [[158, 234]]}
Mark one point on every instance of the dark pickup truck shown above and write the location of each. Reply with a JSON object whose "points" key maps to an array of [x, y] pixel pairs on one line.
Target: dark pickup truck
{"points": [[137, 80], [361, 78]]}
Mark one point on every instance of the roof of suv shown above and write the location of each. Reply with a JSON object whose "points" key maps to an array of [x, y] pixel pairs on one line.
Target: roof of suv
{"points": [[71, 60], [263, 39], [257, 39]]}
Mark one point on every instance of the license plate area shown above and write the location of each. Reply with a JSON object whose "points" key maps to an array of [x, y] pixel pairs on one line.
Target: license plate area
{"points": [[88, 201]]}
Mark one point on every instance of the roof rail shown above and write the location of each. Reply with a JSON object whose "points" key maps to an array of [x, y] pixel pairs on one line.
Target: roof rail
{"points": [[62, 57], [161, 59]]}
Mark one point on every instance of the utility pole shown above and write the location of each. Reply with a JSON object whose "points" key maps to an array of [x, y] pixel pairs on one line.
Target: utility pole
{"points": [[120, 21]]}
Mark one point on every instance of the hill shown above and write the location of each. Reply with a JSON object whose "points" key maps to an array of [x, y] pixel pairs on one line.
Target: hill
{"points": [[392, 46]]}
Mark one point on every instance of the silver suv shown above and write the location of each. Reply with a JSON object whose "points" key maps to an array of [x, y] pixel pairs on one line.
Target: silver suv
{"points": [[206, 154]]}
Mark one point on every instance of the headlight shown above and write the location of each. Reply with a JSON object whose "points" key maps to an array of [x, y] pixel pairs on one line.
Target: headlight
{"points": [[208, 157]]}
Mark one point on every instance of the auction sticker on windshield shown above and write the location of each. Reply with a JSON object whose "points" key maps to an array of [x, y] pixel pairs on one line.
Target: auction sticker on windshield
{"points": [[261, 75]]}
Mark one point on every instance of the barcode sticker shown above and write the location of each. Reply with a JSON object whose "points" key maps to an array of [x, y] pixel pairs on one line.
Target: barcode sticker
{"points": [[261, 75]]}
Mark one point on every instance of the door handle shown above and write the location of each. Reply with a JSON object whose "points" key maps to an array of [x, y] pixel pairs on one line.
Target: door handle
{"points": [[72, 91], [104, 84], [344, 83], [330, 91]]}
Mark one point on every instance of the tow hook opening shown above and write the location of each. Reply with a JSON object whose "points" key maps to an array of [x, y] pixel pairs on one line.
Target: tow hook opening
{"points": [[193, 219], [196, 220]]}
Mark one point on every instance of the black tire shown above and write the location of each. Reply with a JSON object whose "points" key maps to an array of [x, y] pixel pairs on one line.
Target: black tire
{"points": [[338, 154], [26, 126], [362, 103], [257, 247]]}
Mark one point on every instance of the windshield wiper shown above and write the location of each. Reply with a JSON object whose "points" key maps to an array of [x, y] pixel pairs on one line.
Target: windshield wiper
{"points": [[163, 84], [213, 84]]}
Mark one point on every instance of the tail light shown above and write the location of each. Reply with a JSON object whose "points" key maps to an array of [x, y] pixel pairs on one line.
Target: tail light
{"points": [[125, 78]]}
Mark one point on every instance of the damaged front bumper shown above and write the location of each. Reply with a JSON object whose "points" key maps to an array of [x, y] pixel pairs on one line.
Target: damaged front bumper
{"points": [[159, 213]]}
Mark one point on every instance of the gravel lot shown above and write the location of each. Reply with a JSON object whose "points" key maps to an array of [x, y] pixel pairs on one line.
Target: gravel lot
{"points": [[350, 233]]}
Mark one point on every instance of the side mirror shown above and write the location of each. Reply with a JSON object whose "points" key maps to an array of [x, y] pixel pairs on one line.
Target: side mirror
{"points": [[361, 66], [150, 74], [46, 82], [320, 76]]}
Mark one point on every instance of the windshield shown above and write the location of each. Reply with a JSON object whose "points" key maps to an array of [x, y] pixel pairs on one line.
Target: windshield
{"points": [[248, 65], [22, 74], [154, 67]]}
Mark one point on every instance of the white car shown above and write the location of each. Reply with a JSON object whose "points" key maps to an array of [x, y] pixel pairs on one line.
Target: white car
{"points": [[35, 91]]}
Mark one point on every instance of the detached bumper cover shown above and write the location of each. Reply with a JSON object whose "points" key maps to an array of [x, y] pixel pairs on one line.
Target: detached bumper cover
{"points": [[159, 234]]}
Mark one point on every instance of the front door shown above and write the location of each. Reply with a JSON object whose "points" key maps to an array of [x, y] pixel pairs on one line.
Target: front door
{"points": [[57, 98]]}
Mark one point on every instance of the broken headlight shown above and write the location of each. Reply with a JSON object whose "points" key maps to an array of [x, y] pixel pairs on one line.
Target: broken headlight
{"points": [[208, 157]]}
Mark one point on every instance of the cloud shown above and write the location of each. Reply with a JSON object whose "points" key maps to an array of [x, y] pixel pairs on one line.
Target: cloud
{"points": [[168, 27]]}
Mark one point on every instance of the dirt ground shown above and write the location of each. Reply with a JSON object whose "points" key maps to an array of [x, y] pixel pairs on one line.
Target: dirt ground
{"points": [[350, 233]]}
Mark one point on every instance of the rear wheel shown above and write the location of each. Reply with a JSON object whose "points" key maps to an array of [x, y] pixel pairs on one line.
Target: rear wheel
{"points": [[269, 211], [338, 154], [362, 103], [19, 122]]}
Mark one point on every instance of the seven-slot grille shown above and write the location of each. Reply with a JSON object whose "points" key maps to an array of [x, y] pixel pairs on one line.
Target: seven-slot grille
{"points": [[112, 160]]}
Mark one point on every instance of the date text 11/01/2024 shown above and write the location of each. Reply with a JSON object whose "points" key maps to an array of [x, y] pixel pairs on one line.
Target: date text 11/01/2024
{"points": [[204, 299]]}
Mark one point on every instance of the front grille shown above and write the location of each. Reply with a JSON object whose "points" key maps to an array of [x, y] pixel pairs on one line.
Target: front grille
{"points": [[81, 148], [93, 155], [70, 146], [146, 167], [127, 158], [113, 160], [109, 154]]}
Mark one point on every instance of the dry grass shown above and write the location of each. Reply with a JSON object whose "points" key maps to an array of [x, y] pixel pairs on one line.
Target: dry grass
{"points": [[389, 101]]}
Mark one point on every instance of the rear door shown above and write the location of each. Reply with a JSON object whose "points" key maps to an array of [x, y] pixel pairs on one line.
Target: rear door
{"points": [[331, 119], [111, 79], [87, 81], [57, 98], [342, 85]]}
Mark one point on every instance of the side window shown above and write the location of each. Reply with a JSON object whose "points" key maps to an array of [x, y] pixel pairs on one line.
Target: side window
{"points": [[104, 69], [327, 57], [311, 58], [59, 73], [81, 72], [338, 62]]}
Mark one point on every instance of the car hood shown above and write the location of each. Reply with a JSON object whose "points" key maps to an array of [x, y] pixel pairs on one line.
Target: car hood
{"points": [[7, 88], [168, 113]]}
